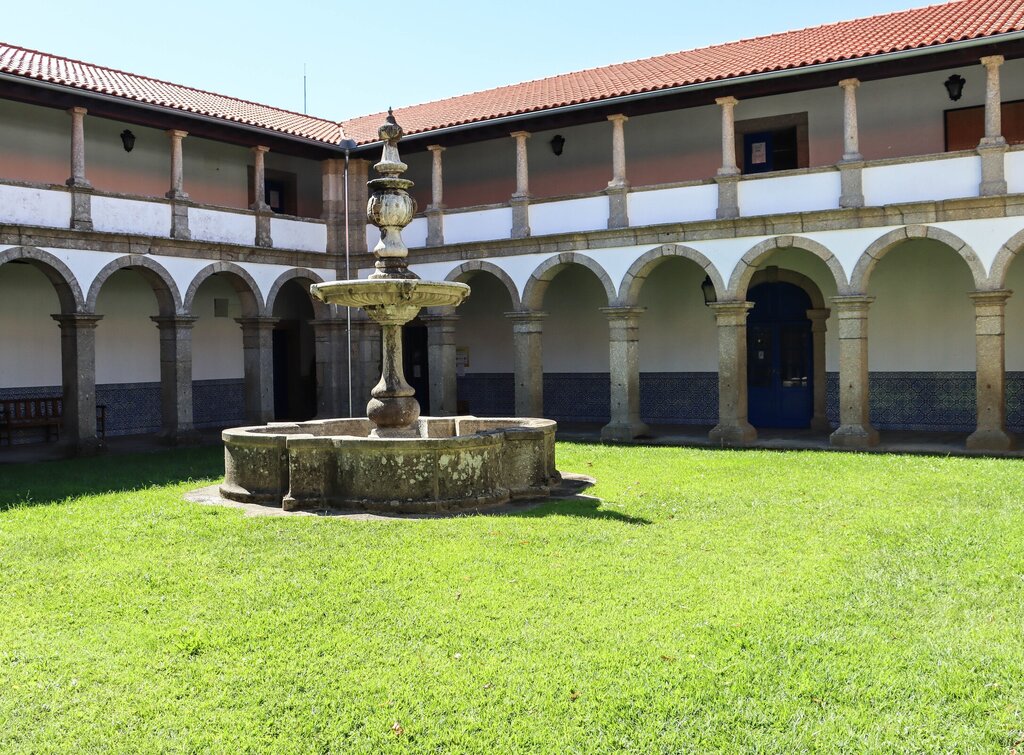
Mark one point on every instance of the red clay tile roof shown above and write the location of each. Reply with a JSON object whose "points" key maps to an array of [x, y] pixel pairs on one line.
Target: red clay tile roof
{"points": [[847, 40], [74, 73]]}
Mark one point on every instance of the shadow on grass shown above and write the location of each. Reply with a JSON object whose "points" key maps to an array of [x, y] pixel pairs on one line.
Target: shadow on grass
{"points": [[51, 482], [584, 507]]}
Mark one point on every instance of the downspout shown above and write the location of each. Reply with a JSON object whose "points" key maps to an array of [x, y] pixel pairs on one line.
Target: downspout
{"points": [[348, 310]]}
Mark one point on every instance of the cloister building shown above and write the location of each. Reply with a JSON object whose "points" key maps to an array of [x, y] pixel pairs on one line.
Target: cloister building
{"points": [[814, 229]]}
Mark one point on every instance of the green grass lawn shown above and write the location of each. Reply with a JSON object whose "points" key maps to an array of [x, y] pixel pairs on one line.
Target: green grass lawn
{"points": [[713, 601]]}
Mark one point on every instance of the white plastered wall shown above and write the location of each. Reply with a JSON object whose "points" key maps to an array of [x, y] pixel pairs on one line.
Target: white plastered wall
{"points": [[1015, 318], [677, 332], [575, 331], [482, 328], [922, 319], [29, 337], [216, 341], [127, 341]]}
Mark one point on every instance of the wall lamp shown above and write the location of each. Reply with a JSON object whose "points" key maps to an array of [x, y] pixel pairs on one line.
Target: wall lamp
{"points": [[708, 289], [128, 140], [955, 86], [557, 144]]}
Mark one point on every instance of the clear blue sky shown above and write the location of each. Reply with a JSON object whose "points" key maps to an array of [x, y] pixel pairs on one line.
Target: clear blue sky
{"points": [[256, 50]]}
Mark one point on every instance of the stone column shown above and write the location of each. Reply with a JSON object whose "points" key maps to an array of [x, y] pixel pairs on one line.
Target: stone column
{"points": [[990, 372], [624, 371], [618, 187], [259, 204], [81, 189], [819, 420], [728, 174], [528, 351], [855, 430], [78, 371], [441, 361], [733, 428], [852, 165], [992, 148], [332, 183], [176, 377], [331, 378], [521, 199], [434, 212], [177, 195], [258, 358]]}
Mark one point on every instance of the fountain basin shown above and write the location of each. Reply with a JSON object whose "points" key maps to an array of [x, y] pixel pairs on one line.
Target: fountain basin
{"points": [[455, 464], [372, 293]]}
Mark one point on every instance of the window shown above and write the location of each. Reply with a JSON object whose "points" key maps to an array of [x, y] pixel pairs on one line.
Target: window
{"points": [[775, 143], [965, 126]]}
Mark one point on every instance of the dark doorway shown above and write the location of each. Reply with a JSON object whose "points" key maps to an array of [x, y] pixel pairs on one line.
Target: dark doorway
{"points": [[415, 362], [780, 389], [766, 151], [294, 355]]}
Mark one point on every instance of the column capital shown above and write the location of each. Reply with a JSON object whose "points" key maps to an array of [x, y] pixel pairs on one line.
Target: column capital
{"points": [[77, 320], [851, 303], [993, 61], [176, 134], [622, 313], [525, 316], [618, 118], [77, 110], [995, 297], [729, 101], [257, 322], [260, 148], [849, 83], [527, 322], [182, 322], [520, 134], [724, 308], [435, 148]]}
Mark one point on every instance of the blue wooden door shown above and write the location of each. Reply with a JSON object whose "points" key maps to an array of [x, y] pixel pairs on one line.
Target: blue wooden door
{"points": [[780, 391]]}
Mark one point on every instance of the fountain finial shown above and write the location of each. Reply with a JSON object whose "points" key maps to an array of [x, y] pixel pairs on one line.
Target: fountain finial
{"points": [[390, 207]]}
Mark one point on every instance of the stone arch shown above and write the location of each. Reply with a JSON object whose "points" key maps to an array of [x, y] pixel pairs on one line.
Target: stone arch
{"points": [[629, 290], [882, 246], [747, 266], [163, 285], [298, 273], [69, 292], [1001, 264], [782, 275], [466, 269], [243, 283], [533, 294]]}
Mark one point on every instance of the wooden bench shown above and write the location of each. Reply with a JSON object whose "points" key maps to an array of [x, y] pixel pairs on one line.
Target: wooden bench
{"points": [[25, 413]]}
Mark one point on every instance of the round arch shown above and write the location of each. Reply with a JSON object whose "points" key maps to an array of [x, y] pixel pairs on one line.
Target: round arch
{"points": [[782, 275], [69, 293], [882, 246], [744, 271], [243, 283], [166, 291], [297, 274], [466, 270], [629, 290], [1001, 264], [537, 285]]}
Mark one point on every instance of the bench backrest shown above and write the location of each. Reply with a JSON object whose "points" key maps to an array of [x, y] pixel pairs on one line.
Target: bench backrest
{"points": [[23, 409]]}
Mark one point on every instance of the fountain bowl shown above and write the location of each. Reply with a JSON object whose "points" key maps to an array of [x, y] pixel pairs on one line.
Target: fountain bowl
{"points": [[373, 293], [454, 464]]}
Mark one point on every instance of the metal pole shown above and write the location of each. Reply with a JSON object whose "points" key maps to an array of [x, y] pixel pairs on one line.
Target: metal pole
{"points": [[348, 310]]}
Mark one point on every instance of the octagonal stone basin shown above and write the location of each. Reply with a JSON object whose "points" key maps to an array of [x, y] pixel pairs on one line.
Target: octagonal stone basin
{"points": [[456, 463]]}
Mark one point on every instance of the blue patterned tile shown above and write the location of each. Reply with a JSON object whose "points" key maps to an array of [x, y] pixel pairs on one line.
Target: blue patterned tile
{"points": [[218, 403], [487, 394], [679, 398], [577, 396]]}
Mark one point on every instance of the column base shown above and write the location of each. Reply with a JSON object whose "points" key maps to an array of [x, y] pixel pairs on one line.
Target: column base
{"points": [[854, 436], [991, 440], [623, 431], [740, 434]]}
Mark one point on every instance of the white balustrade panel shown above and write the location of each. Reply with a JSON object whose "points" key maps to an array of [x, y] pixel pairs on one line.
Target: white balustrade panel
{"points": [[569, 215], [415, 234], [1015, 172], [481, 225], [777, 195], [682, 204], [23, 205], [117, 215], [223, 227], [298, 234], [929, 180]]}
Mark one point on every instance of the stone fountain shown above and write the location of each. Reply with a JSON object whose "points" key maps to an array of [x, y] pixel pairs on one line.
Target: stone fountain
{"points": [[392, 459]]}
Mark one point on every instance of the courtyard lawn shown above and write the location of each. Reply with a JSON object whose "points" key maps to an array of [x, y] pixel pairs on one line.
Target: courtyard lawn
{"points": [[712, 601]]}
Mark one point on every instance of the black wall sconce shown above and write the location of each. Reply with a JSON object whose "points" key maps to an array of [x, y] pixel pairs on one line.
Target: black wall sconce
{"points": [[557, 144], [128, 140], [955, 86], [708, 289]]}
